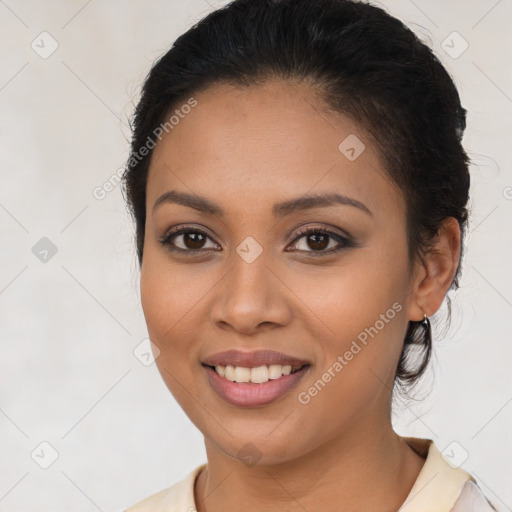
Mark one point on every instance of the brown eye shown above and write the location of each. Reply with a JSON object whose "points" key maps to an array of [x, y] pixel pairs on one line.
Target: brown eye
{"points": [[193, 240], [318, 241], [186, 240], [322, 241]]}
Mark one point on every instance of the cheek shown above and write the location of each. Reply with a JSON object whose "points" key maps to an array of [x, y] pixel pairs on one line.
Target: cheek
{"points": [[348, 297], [165, 305], [170, 292], [174, 300], [362, 312], [168, 298]]}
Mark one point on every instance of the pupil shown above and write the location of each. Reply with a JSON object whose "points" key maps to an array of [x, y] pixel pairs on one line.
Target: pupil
{"points": [[316, 244], [193, 240]]}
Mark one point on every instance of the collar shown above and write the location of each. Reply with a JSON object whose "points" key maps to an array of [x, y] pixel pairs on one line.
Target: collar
{"points": [[438, 484]]}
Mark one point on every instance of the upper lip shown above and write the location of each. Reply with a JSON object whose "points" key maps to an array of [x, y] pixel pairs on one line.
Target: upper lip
{"points": [[253, 359]]}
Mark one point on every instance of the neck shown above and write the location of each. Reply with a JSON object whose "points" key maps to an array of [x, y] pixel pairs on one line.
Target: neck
{"points": [[371, 469]]}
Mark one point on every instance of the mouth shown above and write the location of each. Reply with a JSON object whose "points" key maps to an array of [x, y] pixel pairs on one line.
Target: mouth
{"points": [[250, 379], [256, 375]]}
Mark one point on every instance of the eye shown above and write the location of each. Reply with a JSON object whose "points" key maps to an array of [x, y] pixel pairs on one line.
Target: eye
{"points": [[319, 239], [185, 239]]}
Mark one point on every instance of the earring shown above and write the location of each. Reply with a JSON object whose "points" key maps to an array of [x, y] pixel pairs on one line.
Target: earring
{"points": [[426, 324]]}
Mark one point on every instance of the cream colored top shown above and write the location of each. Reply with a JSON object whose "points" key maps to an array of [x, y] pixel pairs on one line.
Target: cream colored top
{"points": [[439, 488]]}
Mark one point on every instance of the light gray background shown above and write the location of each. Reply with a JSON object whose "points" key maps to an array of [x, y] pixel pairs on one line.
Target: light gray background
{"points": [[69, 325]]}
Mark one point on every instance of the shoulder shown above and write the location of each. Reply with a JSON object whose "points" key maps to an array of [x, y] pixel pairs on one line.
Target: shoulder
{"points": [[472, 499], [442, 485], [179, 497]]}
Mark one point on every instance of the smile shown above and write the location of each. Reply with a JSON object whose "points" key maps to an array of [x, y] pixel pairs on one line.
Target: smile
{"points": [[254, 378], [271, 383], [257, 375]]}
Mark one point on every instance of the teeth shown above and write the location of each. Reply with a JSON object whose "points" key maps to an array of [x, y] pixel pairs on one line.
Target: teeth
{"points": [[257, 375], [275, 371], [230, 373], [242, 374]]}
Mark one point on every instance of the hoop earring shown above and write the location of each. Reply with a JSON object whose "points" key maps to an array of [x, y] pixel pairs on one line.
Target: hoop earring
{"points": [[428, 329]]}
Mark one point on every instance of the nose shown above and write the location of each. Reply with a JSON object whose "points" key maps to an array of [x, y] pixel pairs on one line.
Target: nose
{"points": [[251, 297]]}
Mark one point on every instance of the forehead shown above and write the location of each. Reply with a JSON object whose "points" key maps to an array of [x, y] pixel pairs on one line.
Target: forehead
{"points": [[273, 141]]}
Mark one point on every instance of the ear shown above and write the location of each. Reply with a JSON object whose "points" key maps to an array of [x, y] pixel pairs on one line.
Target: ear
{"points": [[434, 276]]}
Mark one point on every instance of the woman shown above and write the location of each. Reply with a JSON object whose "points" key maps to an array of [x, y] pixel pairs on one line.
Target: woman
{"points": [[299, 189]]}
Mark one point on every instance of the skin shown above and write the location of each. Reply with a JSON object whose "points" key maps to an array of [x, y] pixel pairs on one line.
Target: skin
{"points": [[246, 149]]}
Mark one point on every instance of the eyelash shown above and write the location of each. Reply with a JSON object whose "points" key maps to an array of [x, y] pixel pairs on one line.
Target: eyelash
{"points": [[344, 242]]}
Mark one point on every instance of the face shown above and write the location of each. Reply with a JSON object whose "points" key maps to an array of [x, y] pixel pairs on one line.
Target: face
{"points": [[260, 282]]}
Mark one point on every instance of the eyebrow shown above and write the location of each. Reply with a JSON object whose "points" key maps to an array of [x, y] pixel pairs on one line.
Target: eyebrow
{"points": [[282, 209]]}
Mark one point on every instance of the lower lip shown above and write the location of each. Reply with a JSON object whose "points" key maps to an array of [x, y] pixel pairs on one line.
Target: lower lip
{"points": [[249, 394]]}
